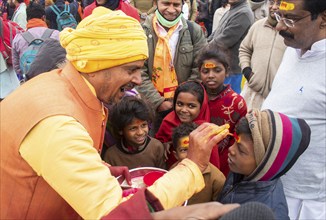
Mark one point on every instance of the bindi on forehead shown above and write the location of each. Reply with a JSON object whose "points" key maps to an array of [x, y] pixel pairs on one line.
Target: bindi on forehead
{"points": [[286, 6]]}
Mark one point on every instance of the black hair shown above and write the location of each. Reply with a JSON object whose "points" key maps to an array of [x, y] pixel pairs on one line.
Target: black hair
{"points": [[126, 110], [216, 52], [34, 10], [315, 7], [184, 129], [20, 1], [242, 127], [193, 87]]}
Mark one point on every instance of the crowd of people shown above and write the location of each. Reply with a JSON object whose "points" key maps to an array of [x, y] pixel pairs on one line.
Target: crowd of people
{"points": [[227, 96]]}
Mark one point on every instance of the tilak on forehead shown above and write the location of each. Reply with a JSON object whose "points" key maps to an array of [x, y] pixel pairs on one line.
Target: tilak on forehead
{"points": [[208, 65], [286, 6], [184, 142]]}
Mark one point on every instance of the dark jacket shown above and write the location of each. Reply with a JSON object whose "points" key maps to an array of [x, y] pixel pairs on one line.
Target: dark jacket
{"points": [[236, 190]]}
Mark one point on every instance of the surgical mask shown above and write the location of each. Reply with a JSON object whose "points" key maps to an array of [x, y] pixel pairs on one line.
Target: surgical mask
{"points": [[166, 23]]}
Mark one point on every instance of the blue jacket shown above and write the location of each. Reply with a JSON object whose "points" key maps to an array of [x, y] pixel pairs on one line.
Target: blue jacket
{"points": [[236, 190]]}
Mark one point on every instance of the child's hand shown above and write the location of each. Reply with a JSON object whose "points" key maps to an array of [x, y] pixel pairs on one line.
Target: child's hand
{"points": [[167, 151]]}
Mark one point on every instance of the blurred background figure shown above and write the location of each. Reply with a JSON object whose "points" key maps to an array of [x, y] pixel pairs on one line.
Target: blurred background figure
{"points": [[233, 28], [144, 8], [225, 6], [260, 55], [19, 15], [56, 59], [259, 8]]}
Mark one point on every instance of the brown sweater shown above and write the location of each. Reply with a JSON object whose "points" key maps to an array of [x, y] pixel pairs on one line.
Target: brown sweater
{"points": [[151, 156], [214, 182], [24, 194]]}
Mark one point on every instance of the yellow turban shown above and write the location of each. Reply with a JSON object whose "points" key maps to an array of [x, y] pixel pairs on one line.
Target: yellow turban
{"points": [[104, 39]]}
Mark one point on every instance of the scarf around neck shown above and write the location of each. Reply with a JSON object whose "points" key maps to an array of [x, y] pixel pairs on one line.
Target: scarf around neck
{"points": [[164, 76], [35, 22]]}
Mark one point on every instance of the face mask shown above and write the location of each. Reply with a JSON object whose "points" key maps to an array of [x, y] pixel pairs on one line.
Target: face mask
{"points": [[167, 23]]}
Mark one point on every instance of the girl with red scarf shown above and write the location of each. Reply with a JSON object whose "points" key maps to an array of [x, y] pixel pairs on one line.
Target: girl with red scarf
{"points": [[190, 104], [225, 105]]}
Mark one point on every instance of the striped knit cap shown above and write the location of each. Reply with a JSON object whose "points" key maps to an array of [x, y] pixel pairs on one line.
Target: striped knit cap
{"points": [[278, 142]]}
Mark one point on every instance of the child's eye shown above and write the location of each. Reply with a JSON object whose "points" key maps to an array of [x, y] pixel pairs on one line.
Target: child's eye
{"points": [[204, 71], [217, 70], [179, 104], [192, 106], [183, 150], [240, 149], [144, 125]]}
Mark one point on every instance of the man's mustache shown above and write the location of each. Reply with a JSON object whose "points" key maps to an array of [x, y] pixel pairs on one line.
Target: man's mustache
{"points": [[286, 34]]}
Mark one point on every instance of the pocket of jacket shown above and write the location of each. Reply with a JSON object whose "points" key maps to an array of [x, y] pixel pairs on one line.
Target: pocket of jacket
{"points": [[186, 56]]}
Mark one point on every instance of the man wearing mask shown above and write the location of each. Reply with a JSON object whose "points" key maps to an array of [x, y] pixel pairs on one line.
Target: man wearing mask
{"points": [[173, 45], [112, 5]]}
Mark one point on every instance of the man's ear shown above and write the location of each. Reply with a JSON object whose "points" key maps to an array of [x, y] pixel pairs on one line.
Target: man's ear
{"points": [[323, 20]]}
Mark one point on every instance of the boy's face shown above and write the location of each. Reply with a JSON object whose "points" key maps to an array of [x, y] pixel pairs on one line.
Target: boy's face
{"points": [[135, 133], [182, 148], [241, 158], [212, 74]]}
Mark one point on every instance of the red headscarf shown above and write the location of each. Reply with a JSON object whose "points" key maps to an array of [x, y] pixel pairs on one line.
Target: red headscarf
{"points": [[172, 120]]}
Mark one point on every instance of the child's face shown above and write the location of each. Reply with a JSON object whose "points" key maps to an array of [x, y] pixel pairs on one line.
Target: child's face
{"points": [[136, 132], [182, 148], [212, 74], [187, 107], [241, 158]]}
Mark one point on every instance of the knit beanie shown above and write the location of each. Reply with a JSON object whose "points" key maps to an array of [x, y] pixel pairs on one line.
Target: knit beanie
{"points": [[278, 142]]}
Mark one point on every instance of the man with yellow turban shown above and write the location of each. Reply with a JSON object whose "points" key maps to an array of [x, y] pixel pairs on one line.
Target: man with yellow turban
{"points": [[52, 131]]}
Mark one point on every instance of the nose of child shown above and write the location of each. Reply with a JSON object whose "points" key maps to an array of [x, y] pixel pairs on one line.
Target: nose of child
{"points": [[231, 149]]}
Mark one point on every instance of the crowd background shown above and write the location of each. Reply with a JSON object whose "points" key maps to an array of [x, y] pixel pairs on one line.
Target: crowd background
{"points": [[209, 61]]}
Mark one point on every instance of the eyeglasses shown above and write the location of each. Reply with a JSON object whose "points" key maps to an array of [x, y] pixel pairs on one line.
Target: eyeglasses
{"points": [[288, 22]]}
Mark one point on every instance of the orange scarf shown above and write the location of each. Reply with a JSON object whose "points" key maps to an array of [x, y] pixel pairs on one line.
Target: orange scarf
{"points": [[36, 22], [164, 76]]}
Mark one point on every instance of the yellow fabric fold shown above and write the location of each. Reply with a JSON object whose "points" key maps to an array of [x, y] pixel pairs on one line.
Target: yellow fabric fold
{"points": [[104, 39]]}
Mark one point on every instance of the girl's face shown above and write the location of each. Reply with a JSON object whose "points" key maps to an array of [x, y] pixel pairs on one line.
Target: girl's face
{"points": [[212, 74], [187, 107], [135, 133]]}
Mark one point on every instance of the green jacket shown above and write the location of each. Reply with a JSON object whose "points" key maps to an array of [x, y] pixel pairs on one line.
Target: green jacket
{"points": [[184, 59]]}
